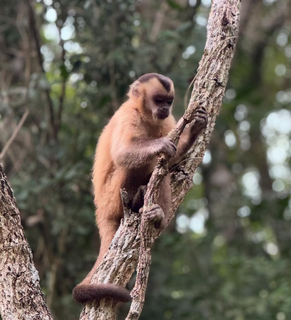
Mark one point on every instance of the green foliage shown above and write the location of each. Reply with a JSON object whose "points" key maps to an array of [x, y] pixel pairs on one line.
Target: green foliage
{"points": [[227, 254]]}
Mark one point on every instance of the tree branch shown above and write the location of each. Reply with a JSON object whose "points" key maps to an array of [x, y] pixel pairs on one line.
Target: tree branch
{"points": [[14, 134], [64, 83], [133, 240]]}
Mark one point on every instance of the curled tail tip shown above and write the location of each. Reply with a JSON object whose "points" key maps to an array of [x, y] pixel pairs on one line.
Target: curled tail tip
{"points": [[94, 292]]}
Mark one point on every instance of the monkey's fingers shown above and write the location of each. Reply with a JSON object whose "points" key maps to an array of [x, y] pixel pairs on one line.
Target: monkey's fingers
{"points": [[156, 215], [201, 117], [173, 147], [201, 111], [167, 147], [201, 108]]}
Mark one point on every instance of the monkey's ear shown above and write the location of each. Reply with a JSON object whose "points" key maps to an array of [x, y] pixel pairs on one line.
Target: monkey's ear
{"points": [[135, 89]]}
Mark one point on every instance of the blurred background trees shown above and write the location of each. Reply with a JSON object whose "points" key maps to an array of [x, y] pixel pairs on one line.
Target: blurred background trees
{"points": [[69, 63]]}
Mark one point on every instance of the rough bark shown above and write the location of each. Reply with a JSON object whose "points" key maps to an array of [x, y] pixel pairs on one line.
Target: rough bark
{"points": [[20, 294], [131, 246]]}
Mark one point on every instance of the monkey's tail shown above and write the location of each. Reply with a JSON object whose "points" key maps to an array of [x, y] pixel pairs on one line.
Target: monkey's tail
{"points": [[91, 292]]}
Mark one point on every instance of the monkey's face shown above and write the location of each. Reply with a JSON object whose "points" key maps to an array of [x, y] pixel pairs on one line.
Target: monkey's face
{"points": [[161, 105], [158, 95]]}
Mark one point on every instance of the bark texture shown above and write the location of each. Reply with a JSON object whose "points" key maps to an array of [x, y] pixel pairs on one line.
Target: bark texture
{"points": [[20, 294], [131, 246]]}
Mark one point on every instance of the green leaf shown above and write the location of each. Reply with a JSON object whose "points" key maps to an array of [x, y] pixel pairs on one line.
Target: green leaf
{"points": [[175, 5]]}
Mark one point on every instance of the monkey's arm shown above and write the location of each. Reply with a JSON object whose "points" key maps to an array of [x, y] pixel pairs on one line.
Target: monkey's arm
{"points": [[190, 135], [133, 151]]}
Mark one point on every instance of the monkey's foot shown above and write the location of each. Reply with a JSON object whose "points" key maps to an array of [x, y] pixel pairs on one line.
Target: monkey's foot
{"points": [[155, 215]]}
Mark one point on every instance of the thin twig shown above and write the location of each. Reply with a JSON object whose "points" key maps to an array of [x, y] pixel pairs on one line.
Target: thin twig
{"points": [[63, 90], [14, 134], [35, 33]]}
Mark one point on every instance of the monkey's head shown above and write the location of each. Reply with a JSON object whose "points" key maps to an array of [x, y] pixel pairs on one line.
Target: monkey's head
{"points": [[155, 93]]}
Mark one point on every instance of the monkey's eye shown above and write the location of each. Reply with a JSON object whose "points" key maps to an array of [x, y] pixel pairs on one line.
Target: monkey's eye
{"points": [[159, 100], [170, 101]]}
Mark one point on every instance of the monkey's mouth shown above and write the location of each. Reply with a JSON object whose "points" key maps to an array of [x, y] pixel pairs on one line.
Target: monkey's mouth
{"points": [[163, 114]]}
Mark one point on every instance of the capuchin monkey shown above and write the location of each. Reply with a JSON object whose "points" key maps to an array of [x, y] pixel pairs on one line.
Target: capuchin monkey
{"points": [[126, 156]]}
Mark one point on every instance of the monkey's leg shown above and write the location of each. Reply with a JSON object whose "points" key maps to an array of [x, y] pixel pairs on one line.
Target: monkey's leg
{"points": [[164, 200], [107, 230], [158, 213], [138, 200]]}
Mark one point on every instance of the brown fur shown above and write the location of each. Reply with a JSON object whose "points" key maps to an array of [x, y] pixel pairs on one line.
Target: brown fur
{"points": [[125, 157]]}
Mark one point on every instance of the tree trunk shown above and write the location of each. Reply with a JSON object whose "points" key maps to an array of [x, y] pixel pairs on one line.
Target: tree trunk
{"points": [[20, 294]]}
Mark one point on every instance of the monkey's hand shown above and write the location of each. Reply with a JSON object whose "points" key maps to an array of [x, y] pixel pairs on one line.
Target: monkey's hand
{"points": [[155, 215], [166, 146], [200, 121]]}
